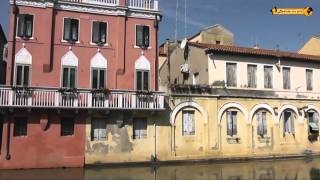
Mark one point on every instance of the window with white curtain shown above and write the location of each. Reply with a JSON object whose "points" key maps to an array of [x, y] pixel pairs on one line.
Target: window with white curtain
{"points": [[231, 74], [188, 123], [98, 130], [232, 123], [288, 119], [140, 128], [262, 124], [252, 76]]}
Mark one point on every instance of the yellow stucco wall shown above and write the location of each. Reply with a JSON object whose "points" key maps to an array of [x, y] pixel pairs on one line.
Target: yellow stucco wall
{"points": [[210, 140]]}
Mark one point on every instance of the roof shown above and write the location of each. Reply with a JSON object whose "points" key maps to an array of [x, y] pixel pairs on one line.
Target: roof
{"points": [[210, 27], [161, 51], [215, 48]]}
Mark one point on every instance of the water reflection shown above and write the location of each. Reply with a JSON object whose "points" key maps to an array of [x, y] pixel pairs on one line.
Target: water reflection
{"points": [[256, 170]]}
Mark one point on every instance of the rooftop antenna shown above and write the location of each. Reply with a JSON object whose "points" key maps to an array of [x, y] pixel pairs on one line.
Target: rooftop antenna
{"points": [[176, 29], [185, 40]]}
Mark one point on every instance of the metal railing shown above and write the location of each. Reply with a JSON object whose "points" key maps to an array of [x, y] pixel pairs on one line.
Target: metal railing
{"points": [[87, 99]]}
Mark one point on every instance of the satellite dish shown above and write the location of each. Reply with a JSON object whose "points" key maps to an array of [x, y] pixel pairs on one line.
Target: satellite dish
{"points": [[183, 43]]}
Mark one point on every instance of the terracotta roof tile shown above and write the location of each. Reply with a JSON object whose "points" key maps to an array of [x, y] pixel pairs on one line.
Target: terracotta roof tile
{"points": [[211, 48]]}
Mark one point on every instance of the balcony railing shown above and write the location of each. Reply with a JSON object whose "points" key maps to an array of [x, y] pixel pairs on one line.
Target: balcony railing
{"points": [[134, 4], [80, 99]]}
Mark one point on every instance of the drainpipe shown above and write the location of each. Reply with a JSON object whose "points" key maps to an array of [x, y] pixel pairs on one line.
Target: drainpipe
{"points": [[15, 11], [121, 71], [156, 26], [53, 22], [8, 156], [155, 141]]}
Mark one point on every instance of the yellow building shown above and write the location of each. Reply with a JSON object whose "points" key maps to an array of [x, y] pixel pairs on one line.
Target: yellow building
{"points": [[311, 47], [236, 102]]}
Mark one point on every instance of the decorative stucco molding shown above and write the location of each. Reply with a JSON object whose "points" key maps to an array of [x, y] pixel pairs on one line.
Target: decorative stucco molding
{"points": [[232, 105], [289, 107], [69, 59], [259, 107], [90, 9], [312, 107], [38, 4], [188, 104], [23, 57], [99, 61], [142, 63]]}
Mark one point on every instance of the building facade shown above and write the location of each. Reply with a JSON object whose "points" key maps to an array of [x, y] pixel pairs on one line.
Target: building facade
{"points": [[75, 70], [312, 46], [3, 56], [235, 102]]}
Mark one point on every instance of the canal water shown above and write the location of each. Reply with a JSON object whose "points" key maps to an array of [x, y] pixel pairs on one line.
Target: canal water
{"points": [[303, 169]]}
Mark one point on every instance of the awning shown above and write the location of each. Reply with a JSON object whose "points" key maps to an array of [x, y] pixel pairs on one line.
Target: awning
{"points": [[314, 126]]}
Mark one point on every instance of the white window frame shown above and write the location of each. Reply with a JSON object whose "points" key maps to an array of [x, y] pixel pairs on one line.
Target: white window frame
{"points": [[61, 77], [17, 24], [133, 128], [15, 73], [105, 76], [99, 139], [256, 65], [194, 122], [136, 78], [273, 75], [282, 78], [107, 33], [135, 36], [312, 82], [64, 41], [237, 74]]}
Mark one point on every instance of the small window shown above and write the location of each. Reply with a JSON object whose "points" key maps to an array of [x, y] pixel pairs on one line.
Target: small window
{"points": [[98, 78], [140, 128], [188, 123], [69, 76], [67, 126], [232, 123], [252, 76], [98, 130], [99, 32], [195, 78], [142, 36], [268, 77], [309, 79], [286, 78], [20, 126], [218, 42], [22, 75], [25, 25], [262, 124], [288, 122], [231, 74], [71, 30], [143, 79]]}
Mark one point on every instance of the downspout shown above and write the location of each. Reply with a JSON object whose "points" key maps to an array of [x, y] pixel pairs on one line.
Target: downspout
{"points": [[156, 26], [53, 22], [8, 156], [15, 11], [121, 71]]}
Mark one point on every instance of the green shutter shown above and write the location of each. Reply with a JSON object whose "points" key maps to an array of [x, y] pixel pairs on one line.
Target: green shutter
{"points": [[139, 36], [146, 36], [95, 32], [21, 24], [103, 32], [67, 29]]}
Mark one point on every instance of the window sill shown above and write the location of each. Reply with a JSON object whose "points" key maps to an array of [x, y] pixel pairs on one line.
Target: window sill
{"points": [[25, 38], [138, 47], [233, 140], [264, 139], [98, 45], [69, 42]]}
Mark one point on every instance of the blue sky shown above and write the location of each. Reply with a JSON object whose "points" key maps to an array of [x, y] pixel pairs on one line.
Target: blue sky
{"points": [[249, 20]]}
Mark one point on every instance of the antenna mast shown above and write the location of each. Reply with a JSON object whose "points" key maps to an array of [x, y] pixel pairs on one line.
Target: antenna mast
{"points": [[176, 29]]}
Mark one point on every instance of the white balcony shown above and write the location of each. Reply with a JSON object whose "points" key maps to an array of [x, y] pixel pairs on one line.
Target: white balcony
{"points": [[80, 99], [133, 4]]}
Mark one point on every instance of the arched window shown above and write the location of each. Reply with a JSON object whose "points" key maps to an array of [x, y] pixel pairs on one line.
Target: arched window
{"points": [[98, 71], [142, 67], [23, 63], [69, 65]]}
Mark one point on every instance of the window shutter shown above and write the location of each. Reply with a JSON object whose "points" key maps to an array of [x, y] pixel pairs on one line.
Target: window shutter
{"points": [[260, 124], [292, 129], [192, 121], [268, 77], [309, 79], [143, 130], [146, 81], [185, 118], [67, 29], [139, 36], [102, 129], [95, 130], [72, 77], [139, 80], [28, 25], [102, 79], [229, 123], [103, 32], [286, 119], [286, 78], [65, 79], [146, 36], [75, 29], [21, 24], [231, 75], [26, 76], [234, 121], [136, 129], [94, 79], [95, 32], [19, 76], [264, 121]]}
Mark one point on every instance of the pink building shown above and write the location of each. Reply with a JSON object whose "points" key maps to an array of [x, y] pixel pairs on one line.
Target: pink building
{"points": [[69, 60]]}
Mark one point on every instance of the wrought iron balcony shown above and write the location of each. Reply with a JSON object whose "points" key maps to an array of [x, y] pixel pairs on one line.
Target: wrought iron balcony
{"points": [[80, 98], [134, 4]]}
